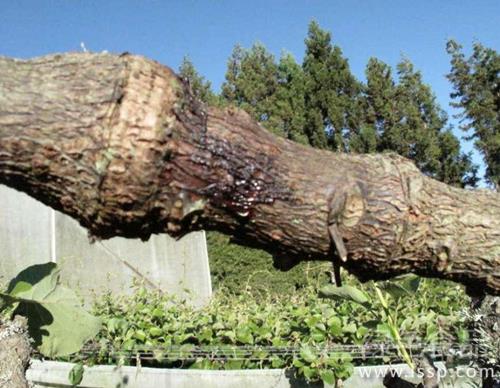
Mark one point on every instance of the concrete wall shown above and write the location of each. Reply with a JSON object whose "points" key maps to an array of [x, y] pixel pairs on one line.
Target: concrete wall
{"points": [[32, 233], [55, 374]]}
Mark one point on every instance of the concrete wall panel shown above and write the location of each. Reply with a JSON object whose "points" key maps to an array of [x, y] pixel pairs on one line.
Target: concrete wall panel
{"points": [[32, 233]]}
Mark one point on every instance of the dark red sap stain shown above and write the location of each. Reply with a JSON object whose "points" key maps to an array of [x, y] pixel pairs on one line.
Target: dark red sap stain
{"points": [[234, 181]]}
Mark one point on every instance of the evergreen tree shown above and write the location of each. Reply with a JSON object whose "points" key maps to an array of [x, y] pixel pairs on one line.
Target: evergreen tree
{"points": [[477, 90], [200, 87], [380, 94], [365, 140], [332, 92], [318, 50], [416, 133], [455, 167], [251, 81], [423, 133], [379, 105], [271, 93], [405, 118], [233, 71], [287, 113]]}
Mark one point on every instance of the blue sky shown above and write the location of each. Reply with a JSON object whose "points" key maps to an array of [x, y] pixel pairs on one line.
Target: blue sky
{"points": [[208, 30]]}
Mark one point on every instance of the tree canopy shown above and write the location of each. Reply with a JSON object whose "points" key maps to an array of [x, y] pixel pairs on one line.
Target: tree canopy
{"points": [[321, 103], [477, 92]]}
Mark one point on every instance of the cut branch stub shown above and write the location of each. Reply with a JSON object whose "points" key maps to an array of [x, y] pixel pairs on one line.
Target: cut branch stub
{"points": [[346, 208]]}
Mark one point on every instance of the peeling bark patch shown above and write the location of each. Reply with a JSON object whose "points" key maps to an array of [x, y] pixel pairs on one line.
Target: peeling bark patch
{"points": [[346, 205], [354, 209]]}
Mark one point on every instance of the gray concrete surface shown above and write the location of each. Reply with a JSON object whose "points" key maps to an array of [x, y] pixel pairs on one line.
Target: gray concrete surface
{"points": [[24, 233], [55, 374], [32, 233]]}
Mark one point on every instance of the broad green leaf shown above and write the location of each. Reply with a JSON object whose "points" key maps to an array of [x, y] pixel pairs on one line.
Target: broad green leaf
{"points": [[233, 364], [218, 326], [229, 334], [23, 283], [395, 290], [75, 375], [206, 335], [402, 286], [56, 320], [202, 363], [432, 333], [320, 326], [307, 354], [327, 376], [158, 355], [260, 354], [21, 288], [385, 329], [349, 328], [335, 327], [308, 372], [278, 341], [317, 335], [312, 321], [116, 325], [348, 293], [411, 283], [155, 332], [334, 321], [244, 335], [186, 350], [140, 335], [362, 331], [277, 363], [329, 312], [128, 345]]}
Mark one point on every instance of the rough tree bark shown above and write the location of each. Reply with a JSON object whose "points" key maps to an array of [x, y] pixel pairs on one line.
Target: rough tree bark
{"points": [[15, 352], [119, 143]]}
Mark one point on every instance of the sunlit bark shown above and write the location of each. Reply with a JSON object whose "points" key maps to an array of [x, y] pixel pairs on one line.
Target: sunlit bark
{"points": [[118, 143]]}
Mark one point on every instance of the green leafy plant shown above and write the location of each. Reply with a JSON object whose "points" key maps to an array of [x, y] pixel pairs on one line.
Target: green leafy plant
{"points": [[388, 295], [296, 331], [57, 322]]}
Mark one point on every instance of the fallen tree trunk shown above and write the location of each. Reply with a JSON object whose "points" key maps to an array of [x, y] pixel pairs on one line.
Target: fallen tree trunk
{"points": [[119, 143]]}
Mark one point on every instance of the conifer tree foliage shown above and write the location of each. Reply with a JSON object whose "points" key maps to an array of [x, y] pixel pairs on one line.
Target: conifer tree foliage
{"points": [[272, 93], [321, 103], [251, 81], [405, 118], [287, 113], [476, 82], [201, 88], [230, 90], [416, 134], [332, 92], [379, 107]]}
